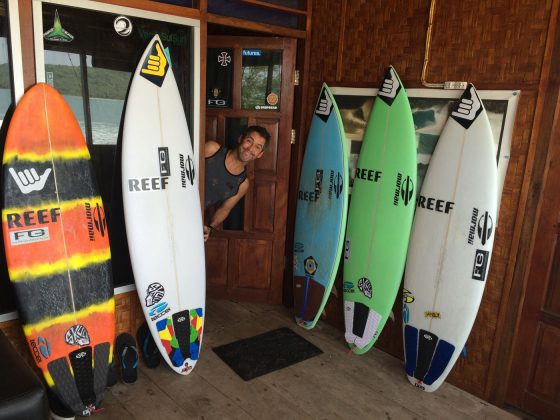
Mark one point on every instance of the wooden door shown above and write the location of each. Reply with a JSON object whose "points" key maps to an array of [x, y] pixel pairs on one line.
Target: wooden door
{"points": [[534, 380], [245, 256]]}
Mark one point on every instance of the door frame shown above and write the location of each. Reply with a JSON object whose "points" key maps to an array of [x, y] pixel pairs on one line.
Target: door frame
{"points": [[285, 117]]}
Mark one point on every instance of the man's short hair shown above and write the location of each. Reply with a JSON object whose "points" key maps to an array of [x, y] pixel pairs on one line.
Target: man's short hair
{"points": [[260, 131]]}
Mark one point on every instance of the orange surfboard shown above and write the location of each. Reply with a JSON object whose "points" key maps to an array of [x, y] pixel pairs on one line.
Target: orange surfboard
{"points": [[57, 248]]}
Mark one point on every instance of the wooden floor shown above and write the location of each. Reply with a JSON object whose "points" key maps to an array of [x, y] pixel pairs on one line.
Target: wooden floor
{"points": [[333, 385]]}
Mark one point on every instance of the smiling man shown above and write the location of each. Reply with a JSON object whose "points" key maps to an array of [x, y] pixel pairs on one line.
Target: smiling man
{"points": [[226, 179]]}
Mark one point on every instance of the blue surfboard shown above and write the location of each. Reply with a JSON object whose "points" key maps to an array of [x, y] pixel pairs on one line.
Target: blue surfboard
{"points": [[322, 205]]}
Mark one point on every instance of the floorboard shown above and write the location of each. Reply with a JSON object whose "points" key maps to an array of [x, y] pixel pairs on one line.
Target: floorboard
{"points": [[333, 385]]}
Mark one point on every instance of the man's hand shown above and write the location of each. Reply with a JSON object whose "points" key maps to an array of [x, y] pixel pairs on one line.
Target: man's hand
{"points": [[207, 231]]}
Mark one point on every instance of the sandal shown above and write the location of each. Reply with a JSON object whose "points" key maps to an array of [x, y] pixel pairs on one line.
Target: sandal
{"points": [[148, 348], [125, 347]]}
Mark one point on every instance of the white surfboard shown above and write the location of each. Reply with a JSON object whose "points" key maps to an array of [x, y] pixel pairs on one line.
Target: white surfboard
{"points": [[162, 211], [451, 244]]}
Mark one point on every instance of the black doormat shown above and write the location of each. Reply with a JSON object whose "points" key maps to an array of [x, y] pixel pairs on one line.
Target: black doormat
{"points": [[265, 353]]}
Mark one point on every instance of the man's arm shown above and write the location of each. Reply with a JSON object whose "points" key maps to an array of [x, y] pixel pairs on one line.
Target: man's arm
{"points": [[210, 147], [225, 208]]}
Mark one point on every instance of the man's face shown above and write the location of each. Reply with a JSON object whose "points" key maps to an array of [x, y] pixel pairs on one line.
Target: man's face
{"points": [[251, 147]]}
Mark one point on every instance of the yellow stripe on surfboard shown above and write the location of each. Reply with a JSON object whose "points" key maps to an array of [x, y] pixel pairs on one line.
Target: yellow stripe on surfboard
{"points": [[63, 205], [70, 154], [34, 329]]}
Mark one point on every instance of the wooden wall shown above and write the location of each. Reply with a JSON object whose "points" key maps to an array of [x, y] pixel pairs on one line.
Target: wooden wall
{"points": [[499, 44]]}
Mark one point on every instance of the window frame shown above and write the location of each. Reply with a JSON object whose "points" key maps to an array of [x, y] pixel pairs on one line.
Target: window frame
{"points": [[127, 11], [16, 79]]}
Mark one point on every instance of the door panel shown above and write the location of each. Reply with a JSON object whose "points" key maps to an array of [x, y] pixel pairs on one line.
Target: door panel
{"points": [[216, 274], [264, 200], [253, 259], [254, 266]]}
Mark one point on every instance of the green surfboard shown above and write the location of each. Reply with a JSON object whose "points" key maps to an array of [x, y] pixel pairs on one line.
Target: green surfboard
{"points": [[380, 215]]}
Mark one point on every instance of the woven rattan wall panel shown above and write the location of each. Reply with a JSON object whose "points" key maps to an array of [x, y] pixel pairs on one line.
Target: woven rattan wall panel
{"points": [[324, 40], [495, 45], [380, 33], [500, 41]]}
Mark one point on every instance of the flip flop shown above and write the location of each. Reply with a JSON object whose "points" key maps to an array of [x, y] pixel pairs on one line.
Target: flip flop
{"points": [[148, 348], [125, 347]]}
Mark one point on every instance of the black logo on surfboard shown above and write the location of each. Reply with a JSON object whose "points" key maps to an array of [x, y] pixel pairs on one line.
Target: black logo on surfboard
{"points": [[480, 264], [390, 88], [485, 227], [404, 190], [324, 106], [468, 108]]}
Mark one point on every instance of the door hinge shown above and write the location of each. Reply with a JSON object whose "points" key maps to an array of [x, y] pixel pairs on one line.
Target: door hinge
{"points": [[296, 77], [293, 137]]}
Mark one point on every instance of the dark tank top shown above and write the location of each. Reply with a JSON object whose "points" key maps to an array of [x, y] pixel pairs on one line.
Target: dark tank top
{"points": [[219, 183]]}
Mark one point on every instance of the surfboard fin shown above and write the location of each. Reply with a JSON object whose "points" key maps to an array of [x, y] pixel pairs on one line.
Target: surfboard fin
{"points": [[464, 352]]}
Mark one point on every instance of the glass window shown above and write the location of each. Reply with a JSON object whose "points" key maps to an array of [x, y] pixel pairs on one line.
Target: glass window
{"points": [[261, 79], [63, 71], [7, 299], [5, 69], [90, 57], [219, 77]]}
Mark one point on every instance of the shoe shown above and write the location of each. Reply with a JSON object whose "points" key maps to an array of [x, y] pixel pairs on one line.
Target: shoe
{"points": [[148, 348], [125, 347], [59, 411]]}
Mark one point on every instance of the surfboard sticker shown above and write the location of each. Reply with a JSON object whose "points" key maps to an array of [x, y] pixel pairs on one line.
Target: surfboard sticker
{"points": [[162, 211], [321, 211], [57, 248], [451, 244], [155, 65], [380, 215]]}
